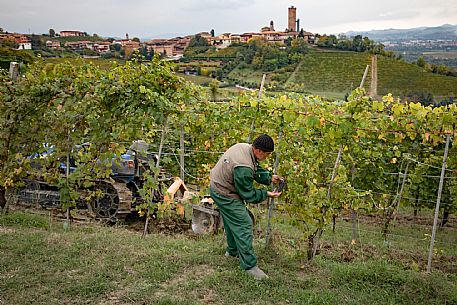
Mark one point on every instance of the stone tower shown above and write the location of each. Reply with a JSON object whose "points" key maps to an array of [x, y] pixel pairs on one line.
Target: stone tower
{"points": [[292, 27], [272, 27]]}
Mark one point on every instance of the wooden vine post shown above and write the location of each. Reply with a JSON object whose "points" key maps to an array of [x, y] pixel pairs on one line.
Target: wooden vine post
{"points": [[364, 76]]}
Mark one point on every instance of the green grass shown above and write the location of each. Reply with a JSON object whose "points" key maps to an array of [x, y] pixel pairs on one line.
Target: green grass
{"points": [[197, 79], [249, 75], [95, 264]]}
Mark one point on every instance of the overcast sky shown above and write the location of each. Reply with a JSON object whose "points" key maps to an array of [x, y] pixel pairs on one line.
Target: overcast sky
{"points": [[161, 19]]}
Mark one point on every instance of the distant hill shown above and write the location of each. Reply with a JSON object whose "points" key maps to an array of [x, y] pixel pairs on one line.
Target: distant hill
{"points": [[334, 73], [446, 31]]}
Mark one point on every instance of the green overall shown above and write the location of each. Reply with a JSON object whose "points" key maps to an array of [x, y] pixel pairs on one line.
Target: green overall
{"points": [[237, 223]]}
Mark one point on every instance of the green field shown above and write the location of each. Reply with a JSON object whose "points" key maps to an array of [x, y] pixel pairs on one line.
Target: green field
{"points": [[331, 71], [329, 74], [99, 62], [400, 78], [41, 263], [334, 74]]}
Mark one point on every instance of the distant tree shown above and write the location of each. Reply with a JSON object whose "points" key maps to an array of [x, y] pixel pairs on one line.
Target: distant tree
{"points": [[85, 34], [329, 41], [136, 39], [52, 33], [288, 41], [421, 62], [9, 43], [344, 44], [198, 41], [95, 35], [37, 43], [342, 36], [214, 88], [299, 45], [212, 33], [368, 44], [108, 55], [301, 34], [128, 52], [358, 44], [110, 39], [89, 52], [1, 30], [147, 54]]}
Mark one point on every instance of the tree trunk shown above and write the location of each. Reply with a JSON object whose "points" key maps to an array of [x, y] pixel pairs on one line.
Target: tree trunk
{"points": [[313, 243], [2, 197], [445, 218], [355, 232]]}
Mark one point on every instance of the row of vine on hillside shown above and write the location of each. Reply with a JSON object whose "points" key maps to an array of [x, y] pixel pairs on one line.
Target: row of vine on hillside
{"points": [[337, 156]]}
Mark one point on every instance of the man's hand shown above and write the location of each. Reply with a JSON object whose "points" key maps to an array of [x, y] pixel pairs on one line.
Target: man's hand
{"points": [[273, 194], [275, 179]]}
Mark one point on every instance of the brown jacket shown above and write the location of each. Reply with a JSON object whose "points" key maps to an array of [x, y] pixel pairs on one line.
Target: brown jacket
{"points": [[221, 175]]}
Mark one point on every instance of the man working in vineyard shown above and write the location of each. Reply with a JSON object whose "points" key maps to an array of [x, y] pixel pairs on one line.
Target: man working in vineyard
{"points": [[232, 186]]}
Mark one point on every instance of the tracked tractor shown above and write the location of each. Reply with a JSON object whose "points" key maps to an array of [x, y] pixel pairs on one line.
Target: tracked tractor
{"points": [[117, 197]]}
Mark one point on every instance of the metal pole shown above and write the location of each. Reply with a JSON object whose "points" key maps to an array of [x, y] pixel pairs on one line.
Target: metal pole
{"points": [[398, 197], [162, 139], [181, 155], [437, 207], [67, 174]]}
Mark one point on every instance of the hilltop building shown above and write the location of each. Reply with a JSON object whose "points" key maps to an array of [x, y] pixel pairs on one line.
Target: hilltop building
{"points": [[24, 42], [267, 33], [173, 48], [292, 19], [71, 33], [100, 47], [127, 43], [169, 47], [53, 44]]}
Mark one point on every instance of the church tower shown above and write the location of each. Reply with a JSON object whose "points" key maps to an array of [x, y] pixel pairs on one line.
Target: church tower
{"points": [[292, 27]]}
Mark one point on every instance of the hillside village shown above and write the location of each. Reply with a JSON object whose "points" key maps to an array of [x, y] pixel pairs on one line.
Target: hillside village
{"points": [[169, 48]]}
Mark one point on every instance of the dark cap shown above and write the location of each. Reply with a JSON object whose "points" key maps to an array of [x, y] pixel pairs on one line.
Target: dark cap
{"points": [[264, 142]]}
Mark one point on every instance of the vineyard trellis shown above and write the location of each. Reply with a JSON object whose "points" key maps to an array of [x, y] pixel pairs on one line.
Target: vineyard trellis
{"points": [[65, 105]]}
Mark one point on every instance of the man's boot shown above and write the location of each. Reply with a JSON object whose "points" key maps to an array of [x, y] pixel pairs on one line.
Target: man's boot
{"points": [[257, 273], [227, 254]]}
